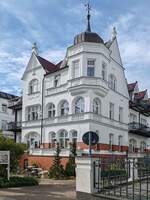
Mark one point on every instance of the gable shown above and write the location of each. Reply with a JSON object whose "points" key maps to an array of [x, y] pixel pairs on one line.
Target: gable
{"points": [[32, 64], [115, 52]]}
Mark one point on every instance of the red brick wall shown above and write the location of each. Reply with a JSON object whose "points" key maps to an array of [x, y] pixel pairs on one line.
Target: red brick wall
{"points": [[45, 162]]}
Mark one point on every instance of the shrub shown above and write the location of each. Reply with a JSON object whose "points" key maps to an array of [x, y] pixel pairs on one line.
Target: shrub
{"points": [[16, 151], [70, 166], [16, 181], [57, 170]]}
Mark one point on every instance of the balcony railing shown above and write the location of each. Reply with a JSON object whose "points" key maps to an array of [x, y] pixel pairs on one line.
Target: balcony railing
{"points": [[14, 126], [139, 129]]}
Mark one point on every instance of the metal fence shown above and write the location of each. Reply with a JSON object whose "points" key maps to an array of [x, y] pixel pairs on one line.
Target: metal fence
{"points": [[123, 178]]}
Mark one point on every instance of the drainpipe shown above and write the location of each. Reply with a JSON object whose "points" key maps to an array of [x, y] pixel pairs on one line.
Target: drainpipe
{"points": [[42, 109]]}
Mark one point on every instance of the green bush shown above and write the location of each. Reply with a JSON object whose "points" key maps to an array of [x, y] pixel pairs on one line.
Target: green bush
{"points": [[18, 182], [16, 151], [57, 171], [70, 168]]}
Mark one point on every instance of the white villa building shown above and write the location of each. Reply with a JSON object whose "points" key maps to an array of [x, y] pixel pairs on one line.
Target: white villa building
{"points": [[87, 91]]}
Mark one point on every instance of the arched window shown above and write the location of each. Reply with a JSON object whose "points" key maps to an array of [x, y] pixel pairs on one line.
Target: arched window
{"points": [[132, 146], [53, 140], [33, 140], [33, 86], [33, 112], [74, 137], [112, 82], [51, 110], [64, 108], [143, 147], [63, 139], [79, 105], [96, 106]]}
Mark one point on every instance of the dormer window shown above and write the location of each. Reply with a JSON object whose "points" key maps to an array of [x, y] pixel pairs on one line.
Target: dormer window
{"points": [[91, 67], [57, 80]]}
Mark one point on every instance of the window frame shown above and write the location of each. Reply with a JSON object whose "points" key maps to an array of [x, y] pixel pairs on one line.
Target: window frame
{"points": [[79, 105], [33, 86], [91, 67], [111, 111]]}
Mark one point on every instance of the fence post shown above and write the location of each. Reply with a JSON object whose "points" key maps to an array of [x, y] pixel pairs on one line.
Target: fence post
{"points": [[133, 169], [84, 175]]}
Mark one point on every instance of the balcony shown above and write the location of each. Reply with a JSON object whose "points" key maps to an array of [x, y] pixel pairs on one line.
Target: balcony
{"points": [[15, 103], [86, 116], [82, 84], [14, 126], [139, 129]]}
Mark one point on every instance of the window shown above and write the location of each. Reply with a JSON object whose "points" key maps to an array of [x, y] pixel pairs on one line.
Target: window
{"points": [[111, 111], [96, 106], [4, 125], [51, 110], [33, 113], [64, 108], [119, 142], [76, 69], [74, 137], [132, 146], [143, 147], [33, 86], [90, 67], [111, 141], [63, 139], [143, 122], [57, 80], [120, 114], [104, 73], [79, 105], [133, 118], [53, 140], [112, 82], [4, 108]]}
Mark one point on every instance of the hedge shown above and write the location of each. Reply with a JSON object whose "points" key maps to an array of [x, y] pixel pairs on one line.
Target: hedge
{"points": [[16, 181]]}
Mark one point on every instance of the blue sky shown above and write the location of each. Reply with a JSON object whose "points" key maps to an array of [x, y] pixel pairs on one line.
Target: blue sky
{"points": [[53, 25]]}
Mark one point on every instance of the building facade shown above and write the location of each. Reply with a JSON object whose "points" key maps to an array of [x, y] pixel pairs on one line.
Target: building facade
{"points": [[15, 126], [87, 91], [6, 114]]}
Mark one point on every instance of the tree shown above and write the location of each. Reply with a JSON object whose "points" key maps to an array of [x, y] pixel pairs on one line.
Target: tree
{"points": [[56, 171], [16, 151], [70, 166]]}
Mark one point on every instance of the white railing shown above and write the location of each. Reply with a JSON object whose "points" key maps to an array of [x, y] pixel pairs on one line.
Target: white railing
{"points": [[48, 152]]}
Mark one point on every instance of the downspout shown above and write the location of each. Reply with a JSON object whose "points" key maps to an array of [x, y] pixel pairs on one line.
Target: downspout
{"points": [[42, 109]]}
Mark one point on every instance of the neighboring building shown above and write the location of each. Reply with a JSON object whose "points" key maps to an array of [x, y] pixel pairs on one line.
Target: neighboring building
{"points": [[139, 126], [15, 126], [87, 91], [6, 114]]}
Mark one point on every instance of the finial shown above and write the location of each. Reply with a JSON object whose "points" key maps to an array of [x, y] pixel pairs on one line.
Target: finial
{"points": [[88, 8], [114, 33], [35, 48]]}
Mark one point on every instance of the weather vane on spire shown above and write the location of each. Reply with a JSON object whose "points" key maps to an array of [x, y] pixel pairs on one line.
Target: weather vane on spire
{"points": [[88, 8]]}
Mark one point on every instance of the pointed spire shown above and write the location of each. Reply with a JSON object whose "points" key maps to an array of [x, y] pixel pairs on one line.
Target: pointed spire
{"points": [[114, 33], [35, 48], [88, 8]]}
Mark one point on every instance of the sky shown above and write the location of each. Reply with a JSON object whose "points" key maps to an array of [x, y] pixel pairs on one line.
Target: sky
{"points": [[52, 24]]}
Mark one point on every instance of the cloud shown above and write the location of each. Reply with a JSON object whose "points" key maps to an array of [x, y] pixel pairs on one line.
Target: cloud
{"points": [[134, 40]]}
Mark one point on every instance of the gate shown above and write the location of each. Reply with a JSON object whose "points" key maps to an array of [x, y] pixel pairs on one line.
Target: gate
{"points": [[122, 178]]}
